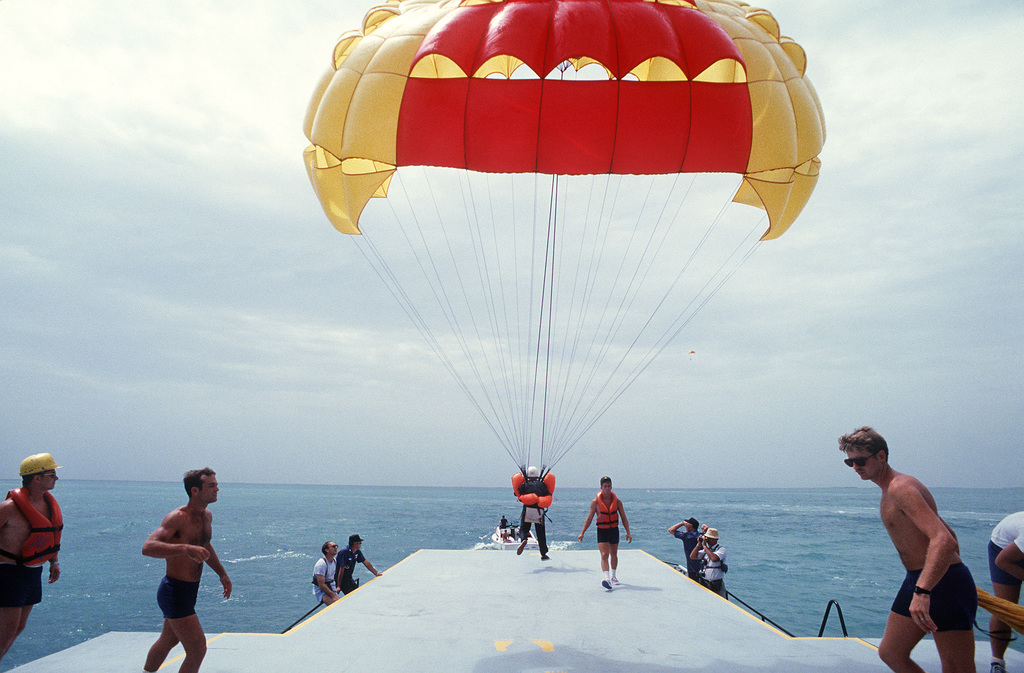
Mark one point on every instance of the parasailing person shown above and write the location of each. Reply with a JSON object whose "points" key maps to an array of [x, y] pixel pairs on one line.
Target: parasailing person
{"points": [[535, 492]]}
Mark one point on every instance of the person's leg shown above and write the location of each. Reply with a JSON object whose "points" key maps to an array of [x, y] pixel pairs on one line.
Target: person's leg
{"points": [[1001, 633], [956, 650], [524, 534], [12, 623], [189, 632], [159, 650], [542, 539], [605, 549], [613, 554], [900, 637]]}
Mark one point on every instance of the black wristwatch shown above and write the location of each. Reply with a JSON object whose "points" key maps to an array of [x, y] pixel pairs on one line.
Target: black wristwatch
{"points": [[922, 592]]}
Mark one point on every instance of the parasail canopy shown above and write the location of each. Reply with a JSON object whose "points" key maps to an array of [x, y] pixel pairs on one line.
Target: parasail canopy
{"points": [[603, 88]]}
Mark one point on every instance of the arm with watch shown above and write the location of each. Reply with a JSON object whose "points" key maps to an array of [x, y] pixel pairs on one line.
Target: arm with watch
{"points": [[943, 551]]}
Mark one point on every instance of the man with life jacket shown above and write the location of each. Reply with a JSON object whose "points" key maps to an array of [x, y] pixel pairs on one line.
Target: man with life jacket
{"points": [[609, 510], [30, 527], [536, 493], [183, 540]]}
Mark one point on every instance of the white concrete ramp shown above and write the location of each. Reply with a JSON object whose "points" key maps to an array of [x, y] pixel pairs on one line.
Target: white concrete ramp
{"points": [[495, 612]]}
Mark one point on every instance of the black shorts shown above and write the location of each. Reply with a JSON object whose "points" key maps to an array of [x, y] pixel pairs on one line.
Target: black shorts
{"points": [[954, 600], [608, 535], [177, 598], [20, 585]]}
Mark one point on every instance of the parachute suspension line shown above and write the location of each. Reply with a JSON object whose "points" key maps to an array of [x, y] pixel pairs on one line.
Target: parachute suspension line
{"points": [[580, 369], [472, 223], [387, 276], [529, 394], [407, 303], [573, 319], [510, 359], [493, 290], [683, 319], [546, 301], [626, 287]]}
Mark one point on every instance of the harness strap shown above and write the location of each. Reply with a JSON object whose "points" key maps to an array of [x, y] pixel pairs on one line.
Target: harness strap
{"points": [[14, 557], [24, 560]]}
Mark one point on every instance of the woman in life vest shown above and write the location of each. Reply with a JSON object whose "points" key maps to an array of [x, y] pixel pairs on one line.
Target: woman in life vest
{"points": [[609, 510]]}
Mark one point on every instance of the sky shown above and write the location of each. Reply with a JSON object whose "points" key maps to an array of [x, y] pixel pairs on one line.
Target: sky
{"points": [[173, 296]]}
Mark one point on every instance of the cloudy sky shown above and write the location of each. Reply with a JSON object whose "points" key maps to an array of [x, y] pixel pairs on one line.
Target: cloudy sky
{"points": [[173, 296]]}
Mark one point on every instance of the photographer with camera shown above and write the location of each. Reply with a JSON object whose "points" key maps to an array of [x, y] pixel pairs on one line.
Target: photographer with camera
{"points": [[712, 559]]}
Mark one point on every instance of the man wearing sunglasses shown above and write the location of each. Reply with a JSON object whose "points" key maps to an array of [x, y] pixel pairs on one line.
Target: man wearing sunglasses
{"points": [[938, 595], [30, 529], [324, 571]]}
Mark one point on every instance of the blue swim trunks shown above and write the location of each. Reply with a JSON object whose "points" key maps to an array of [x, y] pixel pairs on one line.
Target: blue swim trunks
{"points": [[20, 585], [177, 598], [1000, 576], [954, 600]]}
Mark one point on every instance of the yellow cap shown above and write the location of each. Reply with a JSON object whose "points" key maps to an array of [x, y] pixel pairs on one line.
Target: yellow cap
{"points": [[38, 463]]}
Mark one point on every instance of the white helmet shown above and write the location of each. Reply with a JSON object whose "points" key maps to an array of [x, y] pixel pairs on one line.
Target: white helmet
{"points": [[532, 472]]}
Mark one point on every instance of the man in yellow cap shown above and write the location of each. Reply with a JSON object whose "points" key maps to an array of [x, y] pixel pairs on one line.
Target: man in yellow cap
{"points": [[30, 527]]}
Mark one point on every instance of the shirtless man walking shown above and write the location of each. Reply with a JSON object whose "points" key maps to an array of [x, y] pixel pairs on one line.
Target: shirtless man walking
{"points": [[30, 526], [183, 538], [938, 595]]}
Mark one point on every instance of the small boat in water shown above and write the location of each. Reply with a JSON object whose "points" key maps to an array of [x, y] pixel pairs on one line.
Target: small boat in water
{"points": [[507, 537]]}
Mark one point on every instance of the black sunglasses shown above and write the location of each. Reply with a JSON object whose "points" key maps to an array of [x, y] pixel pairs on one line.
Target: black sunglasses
{"points": [[859, 462]]}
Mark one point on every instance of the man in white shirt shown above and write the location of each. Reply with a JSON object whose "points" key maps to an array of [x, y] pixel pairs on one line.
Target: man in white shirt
{"points": [[1006, 566], [323, 574]]}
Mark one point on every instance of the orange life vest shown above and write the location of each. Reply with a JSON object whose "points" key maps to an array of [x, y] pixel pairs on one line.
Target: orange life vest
{"points": [[607, 515], [43, 541], [532, 499]]}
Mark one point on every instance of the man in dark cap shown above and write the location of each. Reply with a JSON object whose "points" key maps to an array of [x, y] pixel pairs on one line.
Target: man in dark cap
{"points": [[347, 560], [689, 536]]}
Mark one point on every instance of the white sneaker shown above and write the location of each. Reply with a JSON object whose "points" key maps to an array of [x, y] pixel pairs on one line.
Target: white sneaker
{"points": [[997, 667], [615, 580], [608, 585]]}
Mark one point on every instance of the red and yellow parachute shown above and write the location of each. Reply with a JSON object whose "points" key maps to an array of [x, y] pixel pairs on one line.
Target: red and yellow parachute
{"points": [[546, 300], [691, 86]]}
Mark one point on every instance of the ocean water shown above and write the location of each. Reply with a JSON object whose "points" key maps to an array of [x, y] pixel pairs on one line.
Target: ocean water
{"points": [[790, 550]]}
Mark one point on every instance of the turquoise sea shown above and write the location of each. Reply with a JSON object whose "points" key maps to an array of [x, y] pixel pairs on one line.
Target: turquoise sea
{"points": [[790, 550]]}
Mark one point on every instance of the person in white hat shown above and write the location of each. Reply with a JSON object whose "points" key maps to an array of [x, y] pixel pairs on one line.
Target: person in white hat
{"points": [[30, 528], [712, 559]]}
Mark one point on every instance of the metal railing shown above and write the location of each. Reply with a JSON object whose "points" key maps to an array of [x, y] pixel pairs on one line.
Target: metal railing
{"points": [[731, 596], [839, 611]]}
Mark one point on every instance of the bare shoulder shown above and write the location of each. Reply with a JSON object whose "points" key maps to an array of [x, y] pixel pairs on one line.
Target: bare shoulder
{"points": [[902, 481], [916, 503], [8, 509], [175, 519], [905, 488]]}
